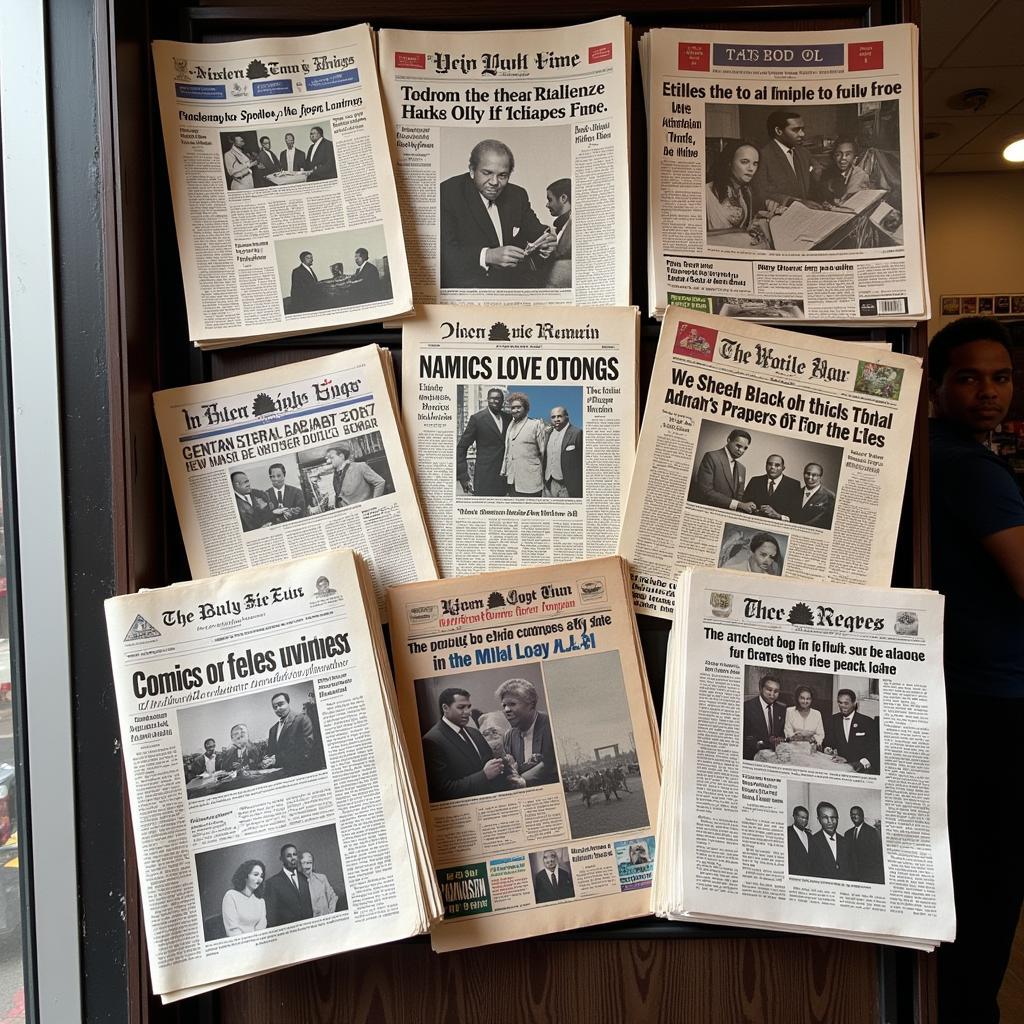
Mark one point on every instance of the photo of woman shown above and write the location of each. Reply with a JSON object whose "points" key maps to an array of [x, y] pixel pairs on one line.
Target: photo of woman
{"points": [[804, 722], [729, 202], [242, 909], [762, 555]]}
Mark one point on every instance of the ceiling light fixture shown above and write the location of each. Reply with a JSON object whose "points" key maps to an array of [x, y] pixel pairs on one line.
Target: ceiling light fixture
{"points": [[1014, 152]]}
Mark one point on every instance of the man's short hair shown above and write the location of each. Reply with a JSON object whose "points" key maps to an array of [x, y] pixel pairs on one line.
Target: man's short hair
{"points": [[238, 725], [800, 807], [264, 138], [559, 408], [277, 465], [316, 129], [238, 472], [776, 455], [846, 141], [856, 807], [821, 468], [518, 396], [963, 332], [342, 447], [491, 146], [363, 252], [304, 253], [778, 119], [287, 846], [769, 678], [447, 697], [498, 391], [281, 693], [850, 693], [561, 187], [521, 688], [209, 739], [740, 433], [825, 803]]}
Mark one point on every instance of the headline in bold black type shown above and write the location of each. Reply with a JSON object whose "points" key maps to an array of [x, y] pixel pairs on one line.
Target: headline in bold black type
{"points": [[518, 103]]}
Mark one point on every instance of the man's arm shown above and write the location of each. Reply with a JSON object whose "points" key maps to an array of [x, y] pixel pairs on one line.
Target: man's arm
{"points": [[462, 450], [1007, 550], [443, 786], [706, 491], [374, 479]]}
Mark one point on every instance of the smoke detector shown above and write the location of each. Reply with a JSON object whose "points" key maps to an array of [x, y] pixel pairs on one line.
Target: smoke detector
{"points": [[974, 100]]}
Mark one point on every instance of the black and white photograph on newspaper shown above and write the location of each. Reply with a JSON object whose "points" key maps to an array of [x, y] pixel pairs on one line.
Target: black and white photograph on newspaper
{"points": [[305, 483], [834, 832], [265, 883], [250, 740], [759, 309], [486, 732], [752, 549], [552, 875], [519, 442], [778, 477], [272, 157], [505, 207], [822, 720], [332, 270], [604, 791], [820, 177]]}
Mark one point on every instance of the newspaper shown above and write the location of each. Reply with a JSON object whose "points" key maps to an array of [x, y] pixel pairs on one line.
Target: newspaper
{"points": [[283, 186], [770, 452], [534, 744], [522, 426], [805, 760], [784, 174], [295, 460], [272, 807], [513, 162]]}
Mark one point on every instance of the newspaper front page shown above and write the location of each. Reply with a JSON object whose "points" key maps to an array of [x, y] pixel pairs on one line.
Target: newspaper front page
{"points": [[512, 162], [769, 452], [534, 745], [294, 460], [272, 812], [784, 174], [522, 427], [283, 185], [805, 750]]}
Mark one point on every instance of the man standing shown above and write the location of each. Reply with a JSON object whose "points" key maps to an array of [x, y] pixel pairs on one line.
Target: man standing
{"points": [[488, 225], [530, 741], [458, 760], [291, 742], [798, 841], [291, 159], [559, 205], [486, 429], [322, 896], [867, 848], [831, 856], [525, 440], [287, 892], [364, 284], [785, 172], [305, 290], [764, 718], [563, 460], [720, 479], [266, 163], [552, 882], [977, 553], [817, 502], [253, 508], [238, 166], [853, 737], [286, 502], [320, 157], [776, 495], [353, 481]]}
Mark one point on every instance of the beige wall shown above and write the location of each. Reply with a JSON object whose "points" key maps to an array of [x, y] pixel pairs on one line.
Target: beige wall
{"points": [[974, 234]]}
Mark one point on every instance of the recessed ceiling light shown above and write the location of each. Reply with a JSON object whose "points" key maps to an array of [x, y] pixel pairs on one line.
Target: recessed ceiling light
{"points": [[1014, 152]]}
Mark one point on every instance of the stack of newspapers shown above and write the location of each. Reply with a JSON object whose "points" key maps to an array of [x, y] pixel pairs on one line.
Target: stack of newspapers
{"points": [[804, 744], [784, 174], [274, 815], [534, 747]]}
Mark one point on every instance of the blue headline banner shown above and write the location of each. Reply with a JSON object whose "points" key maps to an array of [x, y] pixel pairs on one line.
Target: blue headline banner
{"points": [[332, 81], [199, 92], [277, 88]]}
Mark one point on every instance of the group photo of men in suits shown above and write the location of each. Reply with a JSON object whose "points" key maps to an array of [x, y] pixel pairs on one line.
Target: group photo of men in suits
{"points": [[266, 495], [255, 159], [726, 475], [491, 233], [845, 845], [522, 444]]}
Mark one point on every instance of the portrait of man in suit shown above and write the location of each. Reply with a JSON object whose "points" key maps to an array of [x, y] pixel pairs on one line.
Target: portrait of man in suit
{"points": [[206, 763], [353, 481], [830, 854], [867, 848], [305, 290], [291, 159], [721, 478], [553, 882], [530, 742], [817, 502], [241, 755], [363, 284], [853, 737], [488, 226], [266, 163], [253, 507], [764, 718], [320, 157], [557, 268], [798, 841], [459, 762], [785, 172], [563, 458], [286, 502], [775, 495], [287, 892], [291, 742], [525, 440], [844, 177], [486, 430]]}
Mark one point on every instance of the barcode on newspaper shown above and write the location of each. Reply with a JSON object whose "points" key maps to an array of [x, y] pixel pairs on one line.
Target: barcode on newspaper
{"points": [[892, 305]]}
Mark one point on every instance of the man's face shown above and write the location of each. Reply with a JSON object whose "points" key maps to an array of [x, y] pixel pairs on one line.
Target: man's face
{"points": [[856, 816], [774, 466], [846, 704], [323, 586], [238, 142], [458, 712], [290, 857], [812, 477], [550, 860], [280, 705], [265, 143], [240, 736], [800, 819], [209, 746], [518, 410], [770, 690], [495, 400], [315, 135], [977, 387], [289, 140], [737, 445], [828, 819], [307, 258], [557, 205], [518, 711], [843, 156], [558, 418], [491, 175], [306, 863], [359, 258], [793, 133], [240, 482], [277, 477]]}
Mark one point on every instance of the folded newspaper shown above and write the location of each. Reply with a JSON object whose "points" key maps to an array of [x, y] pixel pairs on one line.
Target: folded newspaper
{"points": [[770, 452], [522, 425], [283, 186], [513, 162], [784, 174], [294, 460], [534, 746], [273, 811], [804, 746]]}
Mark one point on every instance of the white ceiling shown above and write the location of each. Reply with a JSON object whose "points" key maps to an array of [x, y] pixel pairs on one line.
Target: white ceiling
{"points": [[972, 44]]}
